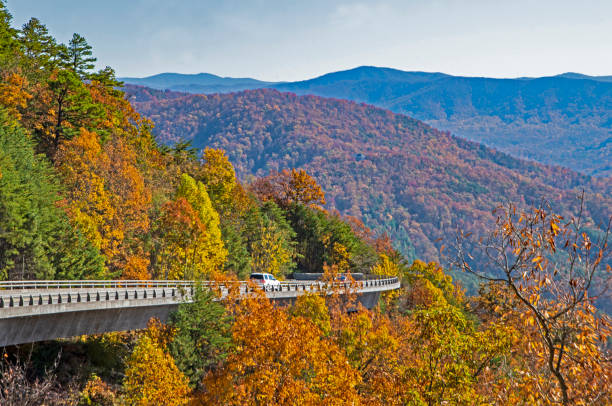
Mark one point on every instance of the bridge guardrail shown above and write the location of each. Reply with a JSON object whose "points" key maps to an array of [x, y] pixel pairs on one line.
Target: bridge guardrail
{"points": [[123, 284], [37, 293]]}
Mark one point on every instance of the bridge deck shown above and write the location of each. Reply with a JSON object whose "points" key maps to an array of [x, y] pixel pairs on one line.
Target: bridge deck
{"points": [[42, 310]]}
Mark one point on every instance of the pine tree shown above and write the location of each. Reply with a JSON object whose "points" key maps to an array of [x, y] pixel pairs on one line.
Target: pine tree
{"points": [[77, 56], [9, 46], [202, 336], [39, 47], [36, 239]]}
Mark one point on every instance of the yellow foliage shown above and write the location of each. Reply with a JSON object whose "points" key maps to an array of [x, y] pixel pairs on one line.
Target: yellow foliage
{"points": [[218, 175], [269, 253], [13, 95], [89, 203], [304, 189], [193, 247], [152, 378], [341, 257], [106, 196], [386, 267], [313, 307], [97, 392]]}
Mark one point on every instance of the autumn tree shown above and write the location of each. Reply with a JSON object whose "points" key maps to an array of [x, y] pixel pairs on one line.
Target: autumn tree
{"points": [[14, 95], [554, 269], [152, 378], [271, 252], [387, 267], [218, 175], [106, 195], [445, 355], [372, 346], [280, 360], [427, 283], [190, 244], [314, 308], [289, 187], [97, 392]]}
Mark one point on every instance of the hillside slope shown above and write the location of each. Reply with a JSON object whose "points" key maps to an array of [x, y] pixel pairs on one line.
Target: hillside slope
{"points": [[399, 174], [560, 120]]}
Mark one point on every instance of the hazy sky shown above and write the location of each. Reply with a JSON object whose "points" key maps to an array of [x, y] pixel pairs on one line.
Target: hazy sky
{"points": [[292, 40]]}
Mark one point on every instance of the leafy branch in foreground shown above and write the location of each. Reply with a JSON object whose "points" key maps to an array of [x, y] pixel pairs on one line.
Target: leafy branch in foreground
{"points": [[553, 270]]}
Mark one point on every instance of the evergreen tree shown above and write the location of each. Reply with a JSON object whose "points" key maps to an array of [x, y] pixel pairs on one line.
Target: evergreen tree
{"points": [[202, 336], [39, 47], [77, 56], [9, 46], [36, 239], [73, 108]]}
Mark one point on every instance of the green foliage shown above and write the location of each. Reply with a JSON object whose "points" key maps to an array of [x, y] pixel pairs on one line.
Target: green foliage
{"points": [[36, 239], [238, 257], [318, 232], [434, 274], [450, 355], [9, 46], [74, 107], [314, 308], [272, 242], [77, 56], [39, 48], [202, 336]]}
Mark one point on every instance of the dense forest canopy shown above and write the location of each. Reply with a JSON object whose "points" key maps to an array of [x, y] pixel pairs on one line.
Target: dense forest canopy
{"points": [[559, 120], [88, 192], [396, 173]]}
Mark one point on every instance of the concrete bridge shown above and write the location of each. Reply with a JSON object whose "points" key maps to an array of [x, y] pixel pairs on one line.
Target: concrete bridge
{"points": [[33, 311]]}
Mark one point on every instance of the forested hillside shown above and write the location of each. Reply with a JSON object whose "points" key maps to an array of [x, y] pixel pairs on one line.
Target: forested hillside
{"points": [[561, 120], [88, 192], [398, 174]]}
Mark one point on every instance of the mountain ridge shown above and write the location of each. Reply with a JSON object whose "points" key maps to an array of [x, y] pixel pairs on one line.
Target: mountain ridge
{"points": [[562, 120]]}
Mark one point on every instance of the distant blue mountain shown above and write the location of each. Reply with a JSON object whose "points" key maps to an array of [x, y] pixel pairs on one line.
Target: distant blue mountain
{"points": [[573, 75], [197, 83], [562, 120]]}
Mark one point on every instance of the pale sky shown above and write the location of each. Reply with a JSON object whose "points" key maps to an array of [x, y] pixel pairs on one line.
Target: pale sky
{"points": [[292, 40]]}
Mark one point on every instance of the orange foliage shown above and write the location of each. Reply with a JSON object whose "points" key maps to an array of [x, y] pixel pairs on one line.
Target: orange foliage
{"points": [[136, 268], [289, 187], [279, 360], [107, 197], [13, 93]]}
